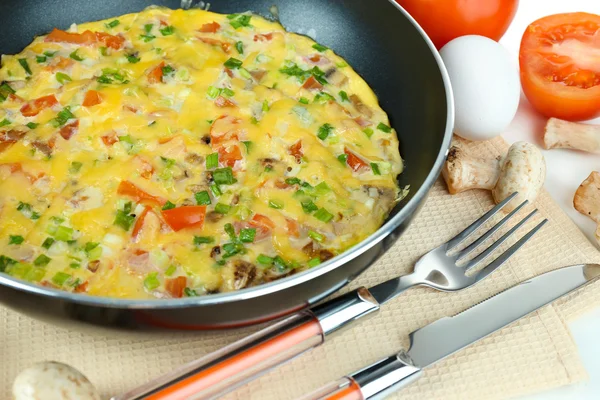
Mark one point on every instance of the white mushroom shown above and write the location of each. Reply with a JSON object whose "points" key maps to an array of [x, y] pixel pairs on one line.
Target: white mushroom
{"points": [[560, 134], [52, 380], [522, 170], [587, 199]]}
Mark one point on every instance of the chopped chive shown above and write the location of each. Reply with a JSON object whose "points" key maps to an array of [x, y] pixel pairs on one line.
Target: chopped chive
{"points": [[50, 54], [280, 263], [239, 46], [233, 63], [75, 167], [60, 278], [228, 92], [222, 208], [198, 240], [167, 30], [248, 145], [213, 93], [147, 37], [5, 262], [247, 235], [239, 20], [202, 198], [316, 236], [216, 190], [323, 215], [4, 122], [75, 265], [124, 220], [64, 233], [132, 58], [48, 243], [148, 28], [168, 205], [167, 70], [368, 132], [76, 56], [344, 96], [292, 181], [375, 169], [265, 106], [322, 188], [232, 249], [42, 260], [190, 292], [278, 205], [308, 206], [112, 23], [151, 281], [63, 116], [224, 176], [324, 131], [322, 98], [171, 270], [25, 65], [265, 260], [319, 47], [40, 59], [32, 125], [169, 162], [15, 239], [62, 78], [314, 262], [384, 128], [212, 161], [342, 158], [103, 50], [230, 231], [303, 100]]}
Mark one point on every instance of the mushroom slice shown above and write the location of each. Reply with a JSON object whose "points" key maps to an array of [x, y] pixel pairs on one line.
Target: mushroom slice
{"points": [[587, 199]]}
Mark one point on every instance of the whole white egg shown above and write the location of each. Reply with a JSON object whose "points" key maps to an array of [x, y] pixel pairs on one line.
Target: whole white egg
{"points": [[485, 84]]}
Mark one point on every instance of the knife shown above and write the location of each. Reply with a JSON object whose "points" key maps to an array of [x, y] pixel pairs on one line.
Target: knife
{"points": [[448, 335]]}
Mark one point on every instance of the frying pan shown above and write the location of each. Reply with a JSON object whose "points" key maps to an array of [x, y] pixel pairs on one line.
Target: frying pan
{"points": [[383, 44]]}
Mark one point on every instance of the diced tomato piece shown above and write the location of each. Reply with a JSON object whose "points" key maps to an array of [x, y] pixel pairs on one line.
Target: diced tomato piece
{"points": [[229, 155], [92, 97], [60, 63], [34, 107], [212, 27], [315, 58], [185, 217], [176, 286], [13, 97], [69, 129], [292, 227], [12, 167], [296, 151], [223, 129], [263, 37], [262, 221], [145, 168], [111, 139], [85, 38], [312, 83], [354, 161], [225, 46], [224, 102], [156, 74], [130, 108], [82, 287], [139, 223], [127, 188]]}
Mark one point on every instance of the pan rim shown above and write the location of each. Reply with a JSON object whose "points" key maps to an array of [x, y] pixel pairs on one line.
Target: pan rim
{"points": [[284, 283]]}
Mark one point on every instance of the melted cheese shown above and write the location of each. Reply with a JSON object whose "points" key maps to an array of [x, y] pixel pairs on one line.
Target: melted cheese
{"points": [[60, 199]]}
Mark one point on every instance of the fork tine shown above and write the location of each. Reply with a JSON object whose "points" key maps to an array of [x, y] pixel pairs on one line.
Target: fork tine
{"points": [[508, 253], [458, 239], [467, 250], [497, 243]]}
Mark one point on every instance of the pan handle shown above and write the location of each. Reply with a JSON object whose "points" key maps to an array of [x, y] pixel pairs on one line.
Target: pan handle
{"points": [[224, 370]]}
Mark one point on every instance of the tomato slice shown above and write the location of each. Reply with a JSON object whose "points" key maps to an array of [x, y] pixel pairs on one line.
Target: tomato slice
{"points": [[185, 217], [34, 107], [92, 97], [85, 38], [156, 74], [212, 27], [560, 71], [263, 223], [139, 223], [354, 161], [176, 286], [228, 155], [128, 189]]}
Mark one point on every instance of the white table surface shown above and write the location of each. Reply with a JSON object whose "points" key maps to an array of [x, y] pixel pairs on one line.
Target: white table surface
{"points": [[565, 171]]}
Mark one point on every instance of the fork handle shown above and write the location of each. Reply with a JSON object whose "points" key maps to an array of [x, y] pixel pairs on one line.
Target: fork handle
{"points": [[224, 370], [375, 382]]}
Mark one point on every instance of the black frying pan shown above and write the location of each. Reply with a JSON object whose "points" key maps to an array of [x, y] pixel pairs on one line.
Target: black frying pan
{"points": [[381, 42]]}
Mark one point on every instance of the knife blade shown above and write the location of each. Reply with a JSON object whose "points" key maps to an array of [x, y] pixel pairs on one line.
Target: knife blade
{"points": [[448, 335]]}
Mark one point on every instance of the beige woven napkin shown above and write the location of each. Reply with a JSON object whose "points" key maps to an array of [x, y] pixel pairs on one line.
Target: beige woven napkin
{"points": [[531, 355]]}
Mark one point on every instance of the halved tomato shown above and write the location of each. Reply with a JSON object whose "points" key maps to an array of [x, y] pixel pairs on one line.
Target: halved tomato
{"points": [[560, 67]]}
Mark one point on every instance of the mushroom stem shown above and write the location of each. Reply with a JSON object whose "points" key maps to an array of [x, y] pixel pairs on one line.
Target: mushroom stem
{"points": [[587, 199], [463, 172], [560, 134]]}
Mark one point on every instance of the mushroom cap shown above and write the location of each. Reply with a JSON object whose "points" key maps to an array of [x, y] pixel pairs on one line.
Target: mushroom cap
{"points": [[50, 380]]}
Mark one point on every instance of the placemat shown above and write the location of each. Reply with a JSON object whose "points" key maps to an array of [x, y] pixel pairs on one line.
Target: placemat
{"points": [[533, 354]]}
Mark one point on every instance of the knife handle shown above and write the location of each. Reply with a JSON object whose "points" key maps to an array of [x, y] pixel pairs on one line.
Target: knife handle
{"points": [[374, 382], [224, 370]]}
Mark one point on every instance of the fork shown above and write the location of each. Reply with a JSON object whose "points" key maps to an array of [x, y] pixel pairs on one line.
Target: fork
{"points": [[443, 268]]}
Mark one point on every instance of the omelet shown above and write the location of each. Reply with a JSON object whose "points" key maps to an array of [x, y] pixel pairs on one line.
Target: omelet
{"points": [[172, 153]]}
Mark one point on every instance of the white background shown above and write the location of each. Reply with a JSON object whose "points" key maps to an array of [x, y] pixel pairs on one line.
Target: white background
{"points": [[565, 171]]}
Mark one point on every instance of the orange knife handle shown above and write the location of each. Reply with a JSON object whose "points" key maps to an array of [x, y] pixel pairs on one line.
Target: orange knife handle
{"points": [[343, 389]]}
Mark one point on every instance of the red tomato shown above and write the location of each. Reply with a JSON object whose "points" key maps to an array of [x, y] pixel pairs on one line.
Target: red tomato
{"points": [[92, 97], [34, 107], [224, 102], [223, 129], [560, 73], [444, 20], [296, 151], [212, 27], [156, 74], [354, 161], [229, 155], [185, 217], [176, 286], [262, 223], [85, 38], [127, 188], [139, 223], [69, 130]]}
